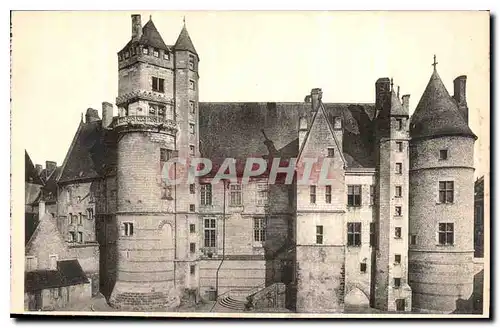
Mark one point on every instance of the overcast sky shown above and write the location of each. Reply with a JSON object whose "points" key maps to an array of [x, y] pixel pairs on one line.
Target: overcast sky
{"points": [[65, 62]]}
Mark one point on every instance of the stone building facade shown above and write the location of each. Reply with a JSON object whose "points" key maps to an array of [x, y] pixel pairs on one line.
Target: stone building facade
{"points": [[346, 242]]}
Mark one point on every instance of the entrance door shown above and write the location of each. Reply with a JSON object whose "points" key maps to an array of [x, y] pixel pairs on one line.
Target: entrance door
{"points": [[400, 305], [35, 301]]}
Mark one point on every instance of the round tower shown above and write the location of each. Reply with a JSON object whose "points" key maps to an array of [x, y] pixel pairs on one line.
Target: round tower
{"points": [[441, 247], [145, 216]]}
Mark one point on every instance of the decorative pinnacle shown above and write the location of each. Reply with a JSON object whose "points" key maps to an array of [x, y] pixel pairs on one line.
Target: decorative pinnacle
{"points": [[184, 20], [435, 62], [392, 84], [398, 91]]}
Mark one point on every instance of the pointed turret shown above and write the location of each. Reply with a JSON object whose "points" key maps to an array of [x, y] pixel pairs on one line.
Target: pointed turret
{"points": [[184, 42], [437, 113], [151, 36]]}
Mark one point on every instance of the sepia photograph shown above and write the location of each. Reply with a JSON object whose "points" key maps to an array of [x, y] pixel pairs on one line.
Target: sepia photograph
{"points": [[278, 164]]}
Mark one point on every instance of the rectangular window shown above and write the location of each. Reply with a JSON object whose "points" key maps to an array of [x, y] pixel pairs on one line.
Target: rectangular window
{"points": [[209, 232], [192, 228], [192, 188], [443, 154], [192, 85], [372, 195], [446, 192], [206, 194], [158, 84], [319, 234], [400, 304], [191, 62], [156, 52], [259, 230], [354, 195], [399, 191], [192, 248], [53, 262], [192, 107], [165, 154], [328, 194], [90, 213], [331, 152], [397, 258], [157, 110], [413, 239], [192, 270], [399, 168], [145, 50], [128, 229], [397, 232], [31, 263], [261, 194], [312, 194], [80, 219], [80, 237], [399, 123], [354, 234], [72, 237], [166, 55], [446, 234], [398, 211], [191, 150], [397, 282], [72, 219], [54, 292], [191, 128], [235, 195], [191, 208], [362, 267], [399, 146]]}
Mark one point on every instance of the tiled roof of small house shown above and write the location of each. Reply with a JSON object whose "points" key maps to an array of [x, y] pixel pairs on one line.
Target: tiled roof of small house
{"points": [[92, 153], [68, 273], [235, 129], [437, 113], [184, 42]]}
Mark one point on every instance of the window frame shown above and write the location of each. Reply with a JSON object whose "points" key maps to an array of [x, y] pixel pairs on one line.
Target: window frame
{"points": [[262, 194], [192, 127], [354, 234], [312, 194], [259, 230], [398, 232], [235, 194], [397, 259], [157, 84], [354, 195], [445, 189], [445, 231], [398, 210], [192, 228], [205, 194], [330, 152], [192, 85], [399, 146], [446, 154], [397, 283], [400, 193], [328, 194], [399, 168], [128, 229], [211, 229], [319, 234], [192, 248]]}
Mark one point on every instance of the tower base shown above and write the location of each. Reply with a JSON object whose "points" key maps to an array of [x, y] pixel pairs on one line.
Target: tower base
{"points": [[144, 296]]}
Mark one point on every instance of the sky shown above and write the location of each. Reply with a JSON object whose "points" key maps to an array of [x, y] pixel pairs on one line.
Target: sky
{"points": [[66, 62]]}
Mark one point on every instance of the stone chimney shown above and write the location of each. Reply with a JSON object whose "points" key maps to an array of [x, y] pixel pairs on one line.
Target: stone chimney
{"points": [[92, 115], [41, 209], [50, 166], [107, 114], [382, 92], [38, 169], [136, 27], [316, 95], [459, 95], [406, 103], [302, 130]]}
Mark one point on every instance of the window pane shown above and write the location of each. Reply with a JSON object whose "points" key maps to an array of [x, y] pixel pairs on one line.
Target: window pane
{"points": [[449, 185], [441, 185], [449, 196], [449, 238], [442, 238], [357, 239]]}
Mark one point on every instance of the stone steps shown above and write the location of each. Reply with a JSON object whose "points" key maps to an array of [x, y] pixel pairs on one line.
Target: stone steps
{"points": [[232, 303]]}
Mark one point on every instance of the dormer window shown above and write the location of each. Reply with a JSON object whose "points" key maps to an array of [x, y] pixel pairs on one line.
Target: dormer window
{"points": [[443, 154], [399, 123], [127, 54], [192, 85], [156, 52], [145, 50], [166, 55]]}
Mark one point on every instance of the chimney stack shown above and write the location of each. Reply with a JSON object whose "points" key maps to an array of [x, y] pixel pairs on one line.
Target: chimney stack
{"points": [[406, 103], [459, 85], [91, 115], [382, 91], [136, 27], [38, 169], [107, 114], [41, 209], [316, 95]]}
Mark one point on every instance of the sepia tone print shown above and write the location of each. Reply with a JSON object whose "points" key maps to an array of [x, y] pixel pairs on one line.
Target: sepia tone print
{"points": [[306, 207]]}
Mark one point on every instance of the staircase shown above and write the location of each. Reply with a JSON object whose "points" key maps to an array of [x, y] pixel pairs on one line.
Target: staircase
{"points": [[231, 303]]}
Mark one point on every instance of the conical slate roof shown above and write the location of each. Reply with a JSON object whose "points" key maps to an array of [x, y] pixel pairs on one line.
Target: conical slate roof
{"points": [[151, 36], [184, 42], [396, 106], [437, 113]]}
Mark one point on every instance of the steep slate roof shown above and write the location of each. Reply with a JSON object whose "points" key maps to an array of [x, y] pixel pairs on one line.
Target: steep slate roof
{"points": [[437, 113], [91, 155], [30, 174], [396, 106], [151, 36], [184, 42], [68, 273], [49, 191], [234, 129]]}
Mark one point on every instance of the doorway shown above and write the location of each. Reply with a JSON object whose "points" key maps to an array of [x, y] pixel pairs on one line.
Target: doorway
{"points": [[400, 304]]}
